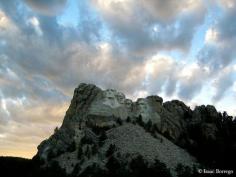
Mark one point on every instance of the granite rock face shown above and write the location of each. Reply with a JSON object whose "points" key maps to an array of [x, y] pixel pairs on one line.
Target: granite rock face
{"points": [[97, 119]]}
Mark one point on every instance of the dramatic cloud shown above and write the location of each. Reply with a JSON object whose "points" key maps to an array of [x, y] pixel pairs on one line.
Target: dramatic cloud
{"points": [[164, 74], [223, 83], [155, 24], [219, 51], [176, 49], [159, 70], [191, 81]]}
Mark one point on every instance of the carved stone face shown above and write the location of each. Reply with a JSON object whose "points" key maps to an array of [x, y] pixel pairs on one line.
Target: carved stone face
{"points": [[110, 98], [110, 93], [120, 97], [128, 103], [142, 105]]}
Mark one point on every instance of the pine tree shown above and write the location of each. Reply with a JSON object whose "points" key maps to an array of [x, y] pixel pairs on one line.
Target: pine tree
{"points": [[140, 120], [119, 121], [102, 138], [80, 152], [111, 150], [128, 119], [148, 126]]}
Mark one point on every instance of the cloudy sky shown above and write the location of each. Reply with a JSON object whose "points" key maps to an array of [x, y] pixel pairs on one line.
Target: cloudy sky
{"points": [[181, 49]]}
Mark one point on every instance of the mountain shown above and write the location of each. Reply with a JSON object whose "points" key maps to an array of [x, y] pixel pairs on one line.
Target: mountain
{"points": [[102, 127], [106, 134]]}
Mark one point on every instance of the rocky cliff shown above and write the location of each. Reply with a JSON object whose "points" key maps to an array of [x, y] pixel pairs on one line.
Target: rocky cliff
{"points": [[103, 126]]}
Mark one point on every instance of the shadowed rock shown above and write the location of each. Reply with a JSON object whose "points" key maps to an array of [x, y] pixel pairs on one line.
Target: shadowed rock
{"points": [[97, 120]]}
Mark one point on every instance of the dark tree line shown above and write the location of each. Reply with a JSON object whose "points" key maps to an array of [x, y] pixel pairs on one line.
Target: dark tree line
{"points": [[138, 167], [19, 167]]}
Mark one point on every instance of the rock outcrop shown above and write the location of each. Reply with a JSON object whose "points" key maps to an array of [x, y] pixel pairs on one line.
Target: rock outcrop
{"points": [[104, 123]]}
